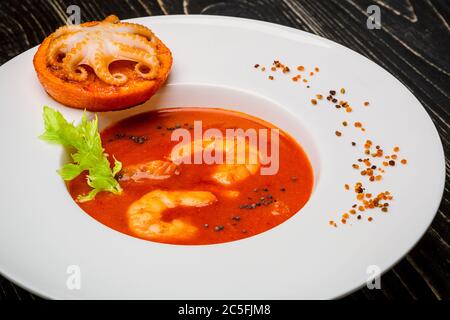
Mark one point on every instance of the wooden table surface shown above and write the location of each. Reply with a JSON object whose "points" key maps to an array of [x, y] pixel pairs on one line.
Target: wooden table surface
{"points": [[413, 44]]}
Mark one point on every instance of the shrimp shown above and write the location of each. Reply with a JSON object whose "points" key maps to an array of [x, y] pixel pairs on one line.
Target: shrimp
{"points": [[157, 169], [227, 173], [145, 214]]}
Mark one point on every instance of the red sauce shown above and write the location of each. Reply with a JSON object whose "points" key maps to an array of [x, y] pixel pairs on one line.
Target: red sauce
{"points": [[147, 137]]}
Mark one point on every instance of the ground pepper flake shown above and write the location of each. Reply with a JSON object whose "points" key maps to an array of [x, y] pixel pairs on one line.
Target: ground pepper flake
{"points": [[342, 104], [314, 102], [367, 201], [372, 171]]}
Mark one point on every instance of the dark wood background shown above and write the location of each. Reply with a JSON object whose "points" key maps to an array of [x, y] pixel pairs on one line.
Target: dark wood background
{"points": [[413, 44]]}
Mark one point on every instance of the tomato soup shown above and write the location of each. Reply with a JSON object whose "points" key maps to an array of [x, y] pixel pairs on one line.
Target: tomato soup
{"points": [[195, 203]]}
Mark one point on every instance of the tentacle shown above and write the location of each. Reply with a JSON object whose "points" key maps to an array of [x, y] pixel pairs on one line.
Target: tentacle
{"points": [[111, 19], [71, 63], [55, 48], [134, 40], [101, 69], [146, 68], [66, 29], [128, 27], [61, 45], [143, 58]]}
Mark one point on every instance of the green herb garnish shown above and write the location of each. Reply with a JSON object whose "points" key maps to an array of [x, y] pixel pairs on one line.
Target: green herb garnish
{"points": [[88, 156]]}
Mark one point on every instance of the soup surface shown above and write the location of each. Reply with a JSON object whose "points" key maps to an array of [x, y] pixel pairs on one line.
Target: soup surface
{"points": [[166, 201]]}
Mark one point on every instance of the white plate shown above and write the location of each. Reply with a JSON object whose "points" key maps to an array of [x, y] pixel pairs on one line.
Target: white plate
{"points": [[43, 232]]}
